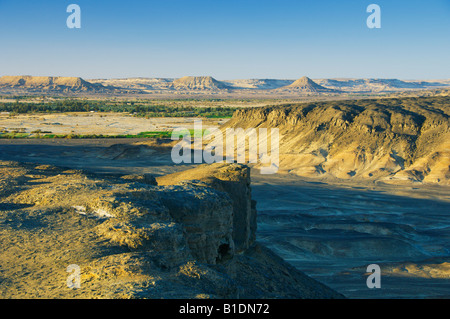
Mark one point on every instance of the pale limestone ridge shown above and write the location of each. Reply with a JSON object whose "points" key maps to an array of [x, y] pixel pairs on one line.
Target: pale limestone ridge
{"points": [[49, 83], [306, 85], [208, 86], [198, 83]]}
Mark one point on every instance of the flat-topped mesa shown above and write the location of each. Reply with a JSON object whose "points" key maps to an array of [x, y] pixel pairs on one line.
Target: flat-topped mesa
{"points": [[48, 83], [199, 83]]}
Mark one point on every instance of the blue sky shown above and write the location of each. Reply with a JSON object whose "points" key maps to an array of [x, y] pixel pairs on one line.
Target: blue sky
{"points": [[227, 39]]}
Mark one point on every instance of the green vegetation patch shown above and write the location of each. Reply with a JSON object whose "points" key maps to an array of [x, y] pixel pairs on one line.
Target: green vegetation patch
{"points": [[139, 109]]}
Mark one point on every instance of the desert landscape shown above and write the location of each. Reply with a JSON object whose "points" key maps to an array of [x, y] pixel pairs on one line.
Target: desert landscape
{"points": [[209, 87], [361, 180], [225, 158]]}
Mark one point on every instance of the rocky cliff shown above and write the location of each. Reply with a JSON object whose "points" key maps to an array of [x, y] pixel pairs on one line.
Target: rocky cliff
{"points": [[389, 140], [190, 236], [234, 180]]}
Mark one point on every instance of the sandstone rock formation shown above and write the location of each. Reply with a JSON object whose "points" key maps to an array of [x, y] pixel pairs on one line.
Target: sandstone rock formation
{"points": [[209, 87], [305, 85], [198, 83], [134, 239], [233, 179], [49, 83], [159, 85], [390, 140]]}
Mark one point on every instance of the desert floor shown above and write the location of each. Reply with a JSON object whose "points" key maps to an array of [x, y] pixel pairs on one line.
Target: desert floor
{"points": [[96, 123], [331, 231]]}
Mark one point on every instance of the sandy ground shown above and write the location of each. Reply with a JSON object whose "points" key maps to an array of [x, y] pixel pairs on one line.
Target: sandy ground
{"points": [[329, 231], [96, 123], [333, 231]]}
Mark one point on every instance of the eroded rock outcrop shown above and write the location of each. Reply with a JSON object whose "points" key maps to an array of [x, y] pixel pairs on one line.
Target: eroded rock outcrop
{"points": [[206, 216], [305, 85], [199, 83], [234, 180], [50, 83], [132, 239], [389, 140]]}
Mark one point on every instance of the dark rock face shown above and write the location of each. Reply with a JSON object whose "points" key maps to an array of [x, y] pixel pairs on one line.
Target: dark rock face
{"points": [[233, 180], [207, 218]]}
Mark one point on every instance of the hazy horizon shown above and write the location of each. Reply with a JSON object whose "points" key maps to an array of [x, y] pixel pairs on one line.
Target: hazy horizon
{"points": [[226, 79]]}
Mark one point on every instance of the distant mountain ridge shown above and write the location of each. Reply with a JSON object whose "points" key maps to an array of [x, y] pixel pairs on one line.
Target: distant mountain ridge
{"points": [[208, 85], [257, 84], [379, 85], [50, 83], [301, 85]]}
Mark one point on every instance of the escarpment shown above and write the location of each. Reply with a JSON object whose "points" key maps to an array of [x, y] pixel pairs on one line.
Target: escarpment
{"points": [[389, 140], [190, 236], [234, 180]]}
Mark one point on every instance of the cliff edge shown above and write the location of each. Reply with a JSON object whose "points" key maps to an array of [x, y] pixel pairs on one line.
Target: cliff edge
{"points": [[186, 235]]}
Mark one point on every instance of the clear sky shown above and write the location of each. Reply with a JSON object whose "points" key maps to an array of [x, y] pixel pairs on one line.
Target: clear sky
{"points": [[227, 39]]}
